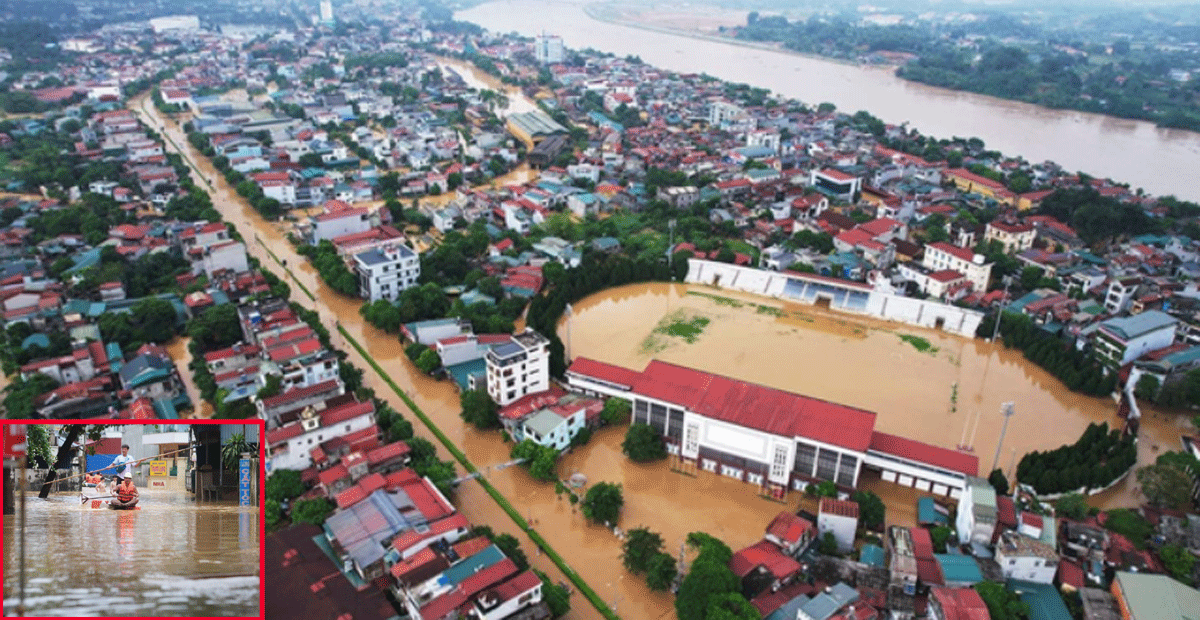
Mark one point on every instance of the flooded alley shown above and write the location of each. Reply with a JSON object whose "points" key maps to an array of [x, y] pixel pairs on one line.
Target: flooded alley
{"points": [[169, 558]]}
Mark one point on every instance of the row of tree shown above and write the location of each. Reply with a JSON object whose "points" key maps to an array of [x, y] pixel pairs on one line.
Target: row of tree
{"points": [[269, 208], [642, 554], [1080, 371], [329, 264], [1099, 457]]}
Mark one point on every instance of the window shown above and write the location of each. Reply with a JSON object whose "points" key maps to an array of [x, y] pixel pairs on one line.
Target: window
{"points": [[806, 456], [826, 464], [692, 440], [347, 428], [779, 462]]}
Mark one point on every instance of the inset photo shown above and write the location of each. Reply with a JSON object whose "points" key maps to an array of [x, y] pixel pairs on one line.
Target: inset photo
{"points": [[132, 519]]}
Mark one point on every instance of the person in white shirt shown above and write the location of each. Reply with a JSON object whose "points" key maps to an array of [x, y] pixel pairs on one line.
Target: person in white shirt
{"points": [[124, 463]]}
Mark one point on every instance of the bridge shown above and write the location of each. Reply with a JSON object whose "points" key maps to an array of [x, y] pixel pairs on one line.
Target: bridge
{"points": [[489, 468]]}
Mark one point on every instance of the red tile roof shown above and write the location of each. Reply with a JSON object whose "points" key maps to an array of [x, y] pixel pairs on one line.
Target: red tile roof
{"points": [[836, 175], [766, 554], [922, 452], [839, 507], [1070, 574], [388, 452], [788, 527], [333, 474], [604, 372], [960, 603], [300, 393], [946, 275], [468, 548], [954, 250], [441, 606], [756, 406]]}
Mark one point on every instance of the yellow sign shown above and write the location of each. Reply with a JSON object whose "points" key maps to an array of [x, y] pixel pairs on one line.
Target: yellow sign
{"points": [[160, 468]]}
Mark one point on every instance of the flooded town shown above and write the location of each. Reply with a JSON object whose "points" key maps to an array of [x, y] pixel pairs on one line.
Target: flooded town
{"points": [[560, 324], [135, 521]]}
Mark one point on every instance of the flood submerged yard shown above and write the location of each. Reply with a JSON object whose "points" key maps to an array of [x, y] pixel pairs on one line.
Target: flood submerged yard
{"points": [[171, 558]]}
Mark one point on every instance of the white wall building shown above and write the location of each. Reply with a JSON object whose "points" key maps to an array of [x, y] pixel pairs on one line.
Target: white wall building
{"points": [[383, 273], [1026, 559], [518, 368], [339, 223], [225, 255], [977, 513], [942, 255], [290, 446], [548, 49], [1124, 339], [839, 517]]}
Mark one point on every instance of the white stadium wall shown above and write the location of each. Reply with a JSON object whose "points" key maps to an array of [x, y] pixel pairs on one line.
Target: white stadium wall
{"points": [[852, 297]]}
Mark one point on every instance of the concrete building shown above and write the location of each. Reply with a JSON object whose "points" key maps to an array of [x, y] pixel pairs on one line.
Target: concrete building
{"points": [[765, 436], [1026, 559], [1015, 237], [518, 368], [1121, 340], [548, 49], [339, 220], [956, 604], [942, 255], [836, 183], [839, 517], [1120, 294], [290, 445], [548, 428], [977, 513], [384, 273]]}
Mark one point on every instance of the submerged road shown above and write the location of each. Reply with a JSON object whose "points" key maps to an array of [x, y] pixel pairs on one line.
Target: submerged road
{"points": [[440, 400]]}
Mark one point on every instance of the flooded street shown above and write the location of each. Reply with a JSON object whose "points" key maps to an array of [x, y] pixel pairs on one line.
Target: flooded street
{"points": [[171, 558], [178, 348], [948, 395]]}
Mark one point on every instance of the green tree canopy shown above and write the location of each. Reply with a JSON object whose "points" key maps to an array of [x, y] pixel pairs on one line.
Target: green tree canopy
{"points": [[661, 571], [641, 545], [479, 409], [643, 444], [602, 503]]}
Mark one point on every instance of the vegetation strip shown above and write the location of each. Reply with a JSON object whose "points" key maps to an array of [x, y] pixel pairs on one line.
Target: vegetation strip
{"points": [[289, 271], [582, 585]]}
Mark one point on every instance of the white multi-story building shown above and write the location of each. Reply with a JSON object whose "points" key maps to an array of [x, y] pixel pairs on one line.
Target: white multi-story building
{"points": [[290, 446], [339, 222], [942, 255], [548, 49], [221, 256], [1026, 559], [1014, 236], [518, 368], [384, 273], [977, 513], [1124, 339], [839, 517]]}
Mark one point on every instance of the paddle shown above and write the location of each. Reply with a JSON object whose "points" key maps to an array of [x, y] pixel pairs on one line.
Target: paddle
{"points": [[83, 499]]}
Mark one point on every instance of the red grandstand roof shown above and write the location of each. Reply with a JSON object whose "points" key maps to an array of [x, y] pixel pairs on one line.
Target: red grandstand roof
{"points": [[604, 372], [922, 452], [757, 406]]}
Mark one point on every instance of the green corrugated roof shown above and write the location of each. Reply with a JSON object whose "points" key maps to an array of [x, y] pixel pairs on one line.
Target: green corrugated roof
{"points": [[1159, 597], [1045, 603], [543, 422], [959, 568], [871, 554]]}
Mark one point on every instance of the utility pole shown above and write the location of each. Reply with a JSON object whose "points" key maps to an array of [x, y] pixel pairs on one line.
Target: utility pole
{"points": [[570, 312], [1000, 310], [1008, 409], [671, 249]]}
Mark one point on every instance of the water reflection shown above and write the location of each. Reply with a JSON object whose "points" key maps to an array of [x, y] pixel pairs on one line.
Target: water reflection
{"points": [[170, 558]]}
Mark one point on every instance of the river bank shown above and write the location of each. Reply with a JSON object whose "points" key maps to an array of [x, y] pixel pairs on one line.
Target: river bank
{"points": [[1157, 160], [607, 12]]}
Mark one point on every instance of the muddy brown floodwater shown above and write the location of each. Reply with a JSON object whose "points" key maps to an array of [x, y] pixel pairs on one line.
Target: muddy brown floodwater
{"points": [[947, 395], [171, 558]]}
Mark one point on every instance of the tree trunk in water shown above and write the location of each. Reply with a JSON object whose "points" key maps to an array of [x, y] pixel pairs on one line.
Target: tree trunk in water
{"points": [[9, 502], [63, 459]]}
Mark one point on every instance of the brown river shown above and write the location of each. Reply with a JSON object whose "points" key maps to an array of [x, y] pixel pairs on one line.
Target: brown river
{"points": [[833, 357], [1160, 160], [171, 558]]}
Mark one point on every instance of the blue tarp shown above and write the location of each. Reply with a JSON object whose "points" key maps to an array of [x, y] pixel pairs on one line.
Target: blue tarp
{"points": [[96, 462]]}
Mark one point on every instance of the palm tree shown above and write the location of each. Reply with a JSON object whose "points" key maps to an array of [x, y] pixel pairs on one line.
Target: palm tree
{"points": [[233, 449]]}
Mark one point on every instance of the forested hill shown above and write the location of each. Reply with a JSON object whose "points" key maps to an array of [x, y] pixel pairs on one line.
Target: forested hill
{"points": [[1155, 78]]}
